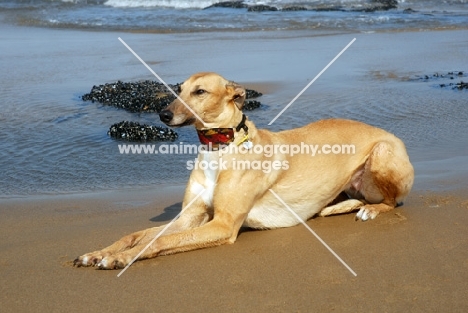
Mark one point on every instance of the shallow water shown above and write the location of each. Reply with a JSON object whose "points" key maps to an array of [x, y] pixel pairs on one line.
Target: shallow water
{"points": [[53, 142]]}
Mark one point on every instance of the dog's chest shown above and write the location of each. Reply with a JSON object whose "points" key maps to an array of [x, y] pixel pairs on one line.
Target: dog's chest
{"points": [[208, 163]]}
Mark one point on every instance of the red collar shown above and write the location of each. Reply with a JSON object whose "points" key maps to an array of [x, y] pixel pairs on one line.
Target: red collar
{"points": [[216, 136]]}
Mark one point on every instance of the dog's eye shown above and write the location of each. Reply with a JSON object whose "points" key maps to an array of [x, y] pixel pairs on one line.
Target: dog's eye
{"points": [[200, 91]]}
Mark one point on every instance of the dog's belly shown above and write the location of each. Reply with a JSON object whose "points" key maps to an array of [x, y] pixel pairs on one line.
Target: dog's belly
{"points": [[270, 213]]}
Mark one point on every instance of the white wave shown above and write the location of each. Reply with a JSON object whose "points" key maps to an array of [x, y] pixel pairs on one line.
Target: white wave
{"points": [[177, 4]]}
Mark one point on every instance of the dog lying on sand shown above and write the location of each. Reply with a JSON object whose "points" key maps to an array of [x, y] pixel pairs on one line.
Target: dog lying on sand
{"points": [[375, 173]]}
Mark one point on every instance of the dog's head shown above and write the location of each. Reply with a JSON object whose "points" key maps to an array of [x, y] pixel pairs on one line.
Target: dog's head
{"points": [[208, 101]]}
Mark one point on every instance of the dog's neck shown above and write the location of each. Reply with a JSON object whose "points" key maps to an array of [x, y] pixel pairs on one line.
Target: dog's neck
{"points": [[216, 138]]}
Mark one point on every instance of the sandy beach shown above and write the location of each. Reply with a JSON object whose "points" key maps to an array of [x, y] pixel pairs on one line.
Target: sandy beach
{"points": [[413, 259]]}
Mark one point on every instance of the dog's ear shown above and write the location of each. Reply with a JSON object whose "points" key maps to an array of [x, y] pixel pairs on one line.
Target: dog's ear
{"points": [[237, 93]]}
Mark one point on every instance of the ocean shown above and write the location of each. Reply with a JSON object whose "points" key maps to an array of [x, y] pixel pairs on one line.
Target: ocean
{"points": [[197, 16], [52, 52]]}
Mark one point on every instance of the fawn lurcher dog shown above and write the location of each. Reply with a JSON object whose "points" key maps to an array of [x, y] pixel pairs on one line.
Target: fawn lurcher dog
{"points": [[376, 175]]}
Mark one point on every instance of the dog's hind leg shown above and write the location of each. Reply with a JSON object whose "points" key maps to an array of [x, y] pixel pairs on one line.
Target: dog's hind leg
{"points": [[342, 207], [387, 179]]}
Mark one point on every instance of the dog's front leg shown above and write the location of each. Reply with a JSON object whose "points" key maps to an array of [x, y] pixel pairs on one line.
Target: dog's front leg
{"points": [[229, 215], [124, 243], [213, 233], [214, 225], [195, 215], [138, 239]]}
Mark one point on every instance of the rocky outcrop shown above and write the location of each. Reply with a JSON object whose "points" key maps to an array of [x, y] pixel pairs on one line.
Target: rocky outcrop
{"points": [[133, 131], [145, 96], [369, 6], [446, 80]]}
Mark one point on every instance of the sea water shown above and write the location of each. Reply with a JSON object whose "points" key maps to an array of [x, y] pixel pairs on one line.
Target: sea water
{"points": [[52, 52]]}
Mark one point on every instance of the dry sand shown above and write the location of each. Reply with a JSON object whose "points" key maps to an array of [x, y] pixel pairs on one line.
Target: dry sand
{"points": [[413, 259]]}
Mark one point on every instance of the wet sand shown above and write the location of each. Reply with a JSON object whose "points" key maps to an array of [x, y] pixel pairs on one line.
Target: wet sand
{"points": [[412, 259]]}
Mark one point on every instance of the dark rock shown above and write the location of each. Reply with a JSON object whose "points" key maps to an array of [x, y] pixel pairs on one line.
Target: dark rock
{"points": [[377, 5], [249, 94], [293, 8], [250, 105], [369, 6], [461, 85], [261, 8], [133, 131], [145, 96], [229, 4], [409, 10], [329, 8], [444, 80], [386, 4]]}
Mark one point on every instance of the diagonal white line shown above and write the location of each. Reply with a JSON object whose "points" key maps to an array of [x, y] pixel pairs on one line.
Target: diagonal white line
{"points": [[160, 233], [161, 80], [313, 233], [313, 80]]}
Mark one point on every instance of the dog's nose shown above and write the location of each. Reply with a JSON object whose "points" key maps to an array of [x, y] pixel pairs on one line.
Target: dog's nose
{"points": [[166, 116]]}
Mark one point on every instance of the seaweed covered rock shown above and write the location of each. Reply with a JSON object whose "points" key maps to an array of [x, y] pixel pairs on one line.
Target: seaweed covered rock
{"points": [[249, 94], [261, 8], [144, 96], [133, 131], [459, 86], [446, 80], [250, 105], [229, 4], [385, 4], [362, 6], [291, 8]]}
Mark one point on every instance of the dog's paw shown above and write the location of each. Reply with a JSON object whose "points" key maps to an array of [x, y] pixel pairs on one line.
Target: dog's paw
{"points": [[366, 213], [112, 263], [88, 259]]}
